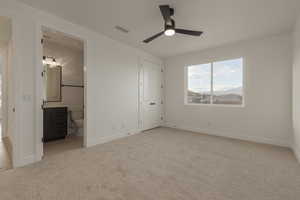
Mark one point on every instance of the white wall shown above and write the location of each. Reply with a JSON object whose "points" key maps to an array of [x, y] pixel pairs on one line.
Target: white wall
{"points": [[114, 89], [296, 90], [267, 115], [111, 77], [72, 63]]}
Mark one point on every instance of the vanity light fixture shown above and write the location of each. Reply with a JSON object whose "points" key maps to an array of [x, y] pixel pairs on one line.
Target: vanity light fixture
{"points": [[50, 61]]}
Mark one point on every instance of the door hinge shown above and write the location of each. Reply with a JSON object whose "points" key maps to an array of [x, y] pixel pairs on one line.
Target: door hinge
{"points": [[162, 86], [43, 73], [161, 118], [162, 102], [162, 70], [42, 41], [43, 105]]}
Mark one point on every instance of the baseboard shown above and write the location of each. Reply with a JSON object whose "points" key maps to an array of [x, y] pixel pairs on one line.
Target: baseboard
{"points": [[297, 152], [107, 139], [26, 161], [233, 136]]}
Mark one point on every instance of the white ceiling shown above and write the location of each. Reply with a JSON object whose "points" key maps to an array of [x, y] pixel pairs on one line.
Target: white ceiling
{"points": [[223, 21]]}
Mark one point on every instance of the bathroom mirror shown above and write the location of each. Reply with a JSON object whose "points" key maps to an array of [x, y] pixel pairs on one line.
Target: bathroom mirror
{"points": [[53, 76]]}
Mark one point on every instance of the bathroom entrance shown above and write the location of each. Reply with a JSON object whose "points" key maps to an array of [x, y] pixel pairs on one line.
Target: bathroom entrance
{"points": [[7, 94], [63, 92]]}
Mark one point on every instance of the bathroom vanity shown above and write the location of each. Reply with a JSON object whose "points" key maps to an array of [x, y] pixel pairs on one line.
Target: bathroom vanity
{"points": [[55, 114], [55, 123], [58, 111]]}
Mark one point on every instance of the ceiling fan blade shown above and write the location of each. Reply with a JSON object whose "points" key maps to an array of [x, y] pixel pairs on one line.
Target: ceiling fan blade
{"points": [[153, 37], [188, 32], [166, 12]]}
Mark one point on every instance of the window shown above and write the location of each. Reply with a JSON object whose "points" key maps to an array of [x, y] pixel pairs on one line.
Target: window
{"points": [[216, 83]]}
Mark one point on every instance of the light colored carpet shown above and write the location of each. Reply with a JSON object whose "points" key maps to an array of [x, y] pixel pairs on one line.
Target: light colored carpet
{"points": [[161, 164]]}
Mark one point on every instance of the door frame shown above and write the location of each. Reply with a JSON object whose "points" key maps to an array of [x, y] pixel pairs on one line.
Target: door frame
{"points": [[14, 142], [39, 85], [141, 92], [4, 112]]}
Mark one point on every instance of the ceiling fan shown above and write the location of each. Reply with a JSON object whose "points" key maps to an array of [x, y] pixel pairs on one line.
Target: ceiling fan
{"points": [[170, 29]]}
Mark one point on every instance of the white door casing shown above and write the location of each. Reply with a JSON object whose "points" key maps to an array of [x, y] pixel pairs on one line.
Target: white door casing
{"points": [[151, 85]]}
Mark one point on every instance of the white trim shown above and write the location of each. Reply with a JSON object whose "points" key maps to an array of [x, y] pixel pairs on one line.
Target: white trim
{"points": [[163, 94], [107, 139], [16, 132], [216, 105], [39, 96], [85, 67], [140, 93], [185, 86], [27, 160], [227, 134], [211, 82], [4, 90]]}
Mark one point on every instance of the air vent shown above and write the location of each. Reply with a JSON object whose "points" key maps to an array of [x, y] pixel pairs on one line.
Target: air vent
{"points": [[119, 28]]}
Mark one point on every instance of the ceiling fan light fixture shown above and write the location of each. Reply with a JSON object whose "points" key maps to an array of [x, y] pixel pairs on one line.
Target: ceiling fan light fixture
{"points": [[50, 61], [169, 32], [170, 28]]}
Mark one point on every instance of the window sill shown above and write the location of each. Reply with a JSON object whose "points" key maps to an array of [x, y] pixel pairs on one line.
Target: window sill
{"points": [[215, 105]]}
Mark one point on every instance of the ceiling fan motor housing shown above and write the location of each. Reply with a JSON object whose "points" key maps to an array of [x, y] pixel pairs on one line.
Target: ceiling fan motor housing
{"points": [[170, 25], [172, 11]]}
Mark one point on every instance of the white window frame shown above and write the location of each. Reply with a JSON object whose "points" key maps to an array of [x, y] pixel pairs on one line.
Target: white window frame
{"points": [[211, 85]]}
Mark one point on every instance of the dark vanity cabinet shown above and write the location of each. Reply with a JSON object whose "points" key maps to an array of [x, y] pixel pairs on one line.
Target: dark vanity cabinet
{"points": [[55, 123]]}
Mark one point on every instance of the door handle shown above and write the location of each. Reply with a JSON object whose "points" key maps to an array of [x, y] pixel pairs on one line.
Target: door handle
{"points": [[152, 104]]}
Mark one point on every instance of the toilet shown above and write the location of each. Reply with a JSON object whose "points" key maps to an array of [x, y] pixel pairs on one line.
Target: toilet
{"points": [[79, 123], [76, 122]]}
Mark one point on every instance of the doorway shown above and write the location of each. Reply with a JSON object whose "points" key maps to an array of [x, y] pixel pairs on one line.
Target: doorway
{"points": [[6, 94], [63, 92], [151, 98]]}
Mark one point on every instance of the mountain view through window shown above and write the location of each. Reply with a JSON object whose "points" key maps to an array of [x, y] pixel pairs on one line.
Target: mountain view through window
{"points": [[216, 83]]}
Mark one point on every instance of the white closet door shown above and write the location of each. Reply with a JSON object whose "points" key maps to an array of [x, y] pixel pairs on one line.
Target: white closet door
{"points": [[151, 97]]}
